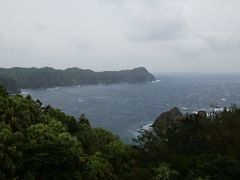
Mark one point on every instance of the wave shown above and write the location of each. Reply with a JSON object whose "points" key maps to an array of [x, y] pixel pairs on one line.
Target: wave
{"points": [[81, 100], [52, 89], [185, 108], [156, 81], [24, 92], [148, 127]]}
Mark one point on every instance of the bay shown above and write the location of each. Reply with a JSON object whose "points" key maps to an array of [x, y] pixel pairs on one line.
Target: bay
{"points": [[125, 108]]}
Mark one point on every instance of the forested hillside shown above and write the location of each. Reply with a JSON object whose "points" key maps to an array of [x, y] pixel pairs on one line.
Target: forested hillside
{"points": [[10, 85], [33, 78], [41, 142]]}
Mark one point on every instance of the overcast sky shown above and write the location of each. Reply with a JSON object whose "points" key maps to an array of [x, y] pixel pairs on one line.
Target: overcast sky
{"points": [[162, 35]]}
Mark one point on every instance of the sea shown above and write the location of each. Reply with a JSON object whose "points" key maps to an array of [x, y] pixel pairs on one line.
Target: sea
{"points": [[125, 108]]}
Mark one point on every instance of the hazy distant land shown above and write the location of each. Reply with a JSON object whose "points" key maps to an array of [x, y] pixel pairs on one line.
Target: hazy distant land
{"points": [[18, 78]]}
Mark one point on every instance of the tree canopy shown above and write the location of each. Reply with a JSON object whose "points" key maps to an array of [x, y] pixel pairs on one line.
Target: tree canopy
{"points": [[41, 142]]}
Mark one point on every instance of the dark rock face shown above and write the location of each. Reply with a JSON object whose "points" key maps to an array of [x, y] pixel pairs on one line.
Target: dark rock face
{"points": [[165, 119], [34, 78]]}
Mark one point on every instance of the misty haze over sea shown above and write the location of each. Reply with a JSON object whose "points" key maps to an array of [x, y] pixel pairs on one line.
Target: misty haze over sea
{"points": [[125, 108]]}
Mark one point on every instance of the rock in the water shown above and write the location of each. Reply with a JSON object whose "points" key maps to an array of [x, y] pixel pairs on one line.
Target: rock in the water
{"points": [[165, 119]]}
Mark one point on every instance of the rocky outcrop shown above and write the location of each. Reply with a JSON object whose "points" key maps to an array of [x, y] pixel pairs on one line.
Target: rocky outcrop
{"points": [[166, 118]]}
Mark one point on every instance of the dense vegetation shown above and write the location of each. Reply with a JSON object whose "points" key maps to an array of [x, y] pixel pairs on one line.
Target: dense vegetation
{"points": [[10, 84], [32, 78], [38, 142]]}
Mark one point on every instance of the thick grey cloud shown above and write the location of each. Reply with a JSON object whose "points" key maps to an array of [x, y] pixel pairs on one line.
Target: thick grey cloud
{"points": [[223, 41], [41, 27], [163, 20], [153, 20], [163, 35]]}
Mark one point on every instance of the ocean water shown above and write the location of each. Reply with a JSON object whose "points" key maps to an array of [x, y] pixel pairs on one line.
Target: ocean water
{"points": [[125, 108]]}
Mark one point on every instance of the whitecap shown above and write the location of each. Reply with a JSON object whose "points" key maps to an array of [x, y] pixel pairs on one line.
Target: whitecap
{"points": [[52, 89], [223, 99], [24, 92], [218, 109], [81, 100], [148, 127], [156, 81], [185, 108]]}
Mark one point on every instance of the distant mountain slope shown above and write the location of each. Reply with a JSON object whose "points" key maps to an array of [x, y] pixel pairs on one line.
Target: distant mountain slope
{"points": [[47, 77], [10, 84]]}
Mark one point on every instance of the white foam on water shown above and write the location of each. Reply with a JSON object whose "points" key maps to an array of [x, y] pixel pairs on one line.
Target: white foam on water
{"points": [[52, 89], [81, 100], [147, 127], [23, 92], [156, 81]]}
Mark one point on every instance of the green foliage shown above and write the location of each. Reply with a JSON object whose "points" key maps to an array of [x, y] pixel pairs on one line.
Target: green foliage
{"points": [[9, 154], [39, 142], [198, 147], [164, 172], [31, 78], [51, 152], [3, 92], [121, 156], [84, 122], [71, 124], [10, 85], [43, 143], [103, 138], [98, 168]]}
